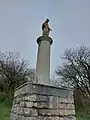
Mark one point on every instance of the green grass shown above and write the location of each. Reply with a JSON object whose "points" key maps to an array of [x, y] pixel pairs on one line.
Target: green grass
{"points": [[5, 107], [83, 113], [4, 111]]}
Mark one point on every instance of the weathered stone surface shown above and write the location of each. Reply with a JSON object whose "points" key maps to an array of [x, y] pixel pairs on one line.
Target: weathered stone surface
{"points": [[30, 112], [35, 104], [41, 102], [16, 109], [22, 90], [70, 101], [26, 111], [65, 100], [22, 103], [42, 89], [12, 116], [40, 118], [30, 98], [46, 112], [42, 105], [53, 102], [30, 118], [70, 112], [69, 118], [41, 98], [70, 106], [62, 105], [49, 118], [62, 100], [29, 104], [20, 117], [60, 112], [56, 118], [61, 118]]}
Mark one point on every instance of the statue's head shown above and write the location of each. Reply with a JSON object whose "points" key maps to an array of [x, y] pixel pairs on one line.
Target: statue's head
{"points": [[47, 20]]}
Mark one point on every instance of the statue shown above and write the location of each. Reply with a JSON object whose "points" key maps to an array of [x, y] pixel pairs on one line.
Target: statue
{"points": [[45, 28]]}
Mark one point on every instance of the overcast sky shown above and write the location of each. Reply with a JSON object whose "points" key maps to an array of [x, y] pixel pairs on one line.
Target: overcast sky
{"points": [[20, 25]]}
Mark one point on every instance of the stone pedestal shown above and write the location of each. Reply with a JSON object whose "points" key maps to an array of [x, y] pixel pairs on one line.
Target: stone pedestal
{"points": [[43, 60], [42, 102]]}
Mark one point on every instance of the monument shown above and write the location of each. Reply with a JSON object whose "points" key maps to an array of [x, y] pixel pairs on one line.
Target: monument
{"points": [[43, 57], [41, 101]]}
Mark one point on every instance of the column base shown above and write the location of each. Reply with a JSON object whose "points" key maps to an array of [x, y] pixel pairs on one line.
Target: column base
{"points": [[41, 102]]}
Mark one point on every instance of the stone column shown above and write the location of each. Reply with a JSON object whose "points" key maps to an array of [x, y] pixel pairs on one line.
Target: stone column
{"points": [[43, 59]]}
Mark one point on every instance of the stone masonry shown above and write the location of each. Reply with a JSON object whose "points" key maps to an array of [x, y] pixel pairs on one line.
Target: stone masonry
{"points": [[42, 102]]}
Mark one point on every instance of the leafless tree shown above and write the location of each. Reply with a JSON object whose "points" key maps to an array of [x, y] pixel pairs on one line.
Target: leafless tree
{"points": [[75, 70], [13, 71]]}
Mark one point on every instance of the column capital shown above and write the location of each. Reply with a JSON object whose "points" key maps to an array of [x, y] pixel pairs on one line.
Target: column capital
{"points": [[44, 38]]}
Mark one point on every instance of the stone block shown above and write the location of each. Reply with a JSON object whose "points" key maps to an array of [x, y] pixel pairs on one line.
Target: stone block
{"points": [[69, 118], [49, 118], [26, 111], [29, 104], [40, 118], [49, 112], [42, 105], [30, 98], [62, 106], [30, 112], [61, 118], [66, 112], [20, 110], [70, 112], [61, 100], [26, 104], [53, 102], [30, 118], [20, 117], [14, 117], [56, 118], [21, 90], [43, 112], [70, 106], [17, 100], [41, 98], [70, 100], [47, 90], [35, 104], [61, 112], [16, 109], [22, 103], [65, 100]]}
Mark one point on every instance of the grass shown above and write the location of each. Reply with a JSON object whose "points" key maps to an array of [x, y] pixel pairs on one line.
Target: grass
{"points": [[5, 107], [83, 113], [4, 111]]}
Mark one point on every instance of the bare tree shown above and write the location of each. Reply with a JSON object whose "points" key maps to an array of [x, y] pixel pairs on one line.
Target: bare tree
{"points": [[75, 70], [13, 71]]}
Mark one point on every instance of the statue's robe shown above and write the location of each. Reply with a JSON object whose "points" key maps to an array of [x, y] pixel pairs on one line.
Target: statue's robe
{"points": [[45, 29]]}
